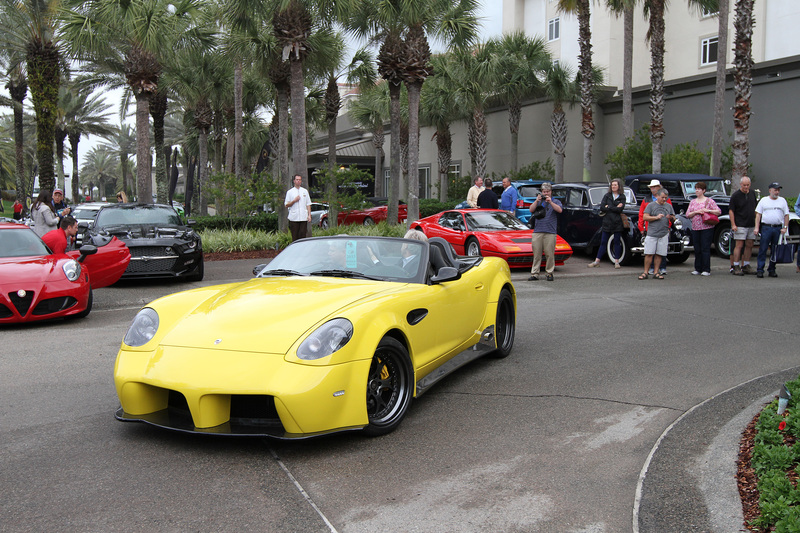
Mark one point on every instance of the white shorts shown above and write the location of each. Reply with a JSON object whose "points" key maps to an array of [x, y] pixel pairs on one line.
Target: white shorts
{"points": [[656, 245], [743, 234]]}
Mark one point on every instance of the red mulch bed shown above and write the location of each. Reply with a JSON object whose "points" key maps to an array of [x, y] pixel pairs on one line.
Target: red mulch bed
{"points": [[746, 476], [252, 254]]}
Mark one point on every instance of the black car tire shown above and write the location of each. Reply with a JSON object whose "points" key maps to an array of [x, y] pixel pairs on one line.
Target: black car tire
{"points": [[505, 325], [89, 302], [679, 258], [472, 247], [198, 274], [723, 240], [388, 397], [369, 222]]}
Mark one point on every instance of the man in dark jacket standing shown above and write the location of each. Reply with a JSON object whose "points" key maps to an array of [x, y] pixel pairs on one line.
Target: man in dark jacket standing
{"points": [[487, 199], [743, 220]]}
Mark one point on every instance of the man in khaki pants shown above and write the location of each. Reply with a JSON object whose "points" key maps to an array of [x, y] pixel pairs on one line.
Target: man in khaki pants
{"points": [[544, 233]]}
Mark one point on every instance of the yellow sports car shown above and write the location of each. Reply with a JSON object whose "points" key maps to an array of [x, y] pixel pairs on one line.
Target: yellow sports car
{"points": [[335, 334]]}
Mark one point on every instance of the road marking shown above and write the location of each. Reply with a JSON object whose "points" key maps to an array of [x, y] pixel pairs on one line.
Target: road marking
{"points": [[303, 491]]}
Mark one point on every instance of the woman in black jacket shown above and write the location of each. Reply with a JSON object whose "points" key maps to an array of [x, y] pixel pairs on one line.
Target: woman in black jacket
{"points": [[611, 206]]}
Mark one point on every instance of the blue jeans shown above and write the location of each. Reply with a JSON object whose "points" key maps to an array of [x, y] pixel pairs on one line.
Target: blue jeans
{"points": [[769, 239], [604, 244], [701, 239]]}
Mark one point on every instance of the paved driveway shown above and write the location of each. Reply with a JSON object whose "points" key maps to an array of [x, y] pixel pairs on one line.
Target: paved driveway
{"points": [[553, 438]]}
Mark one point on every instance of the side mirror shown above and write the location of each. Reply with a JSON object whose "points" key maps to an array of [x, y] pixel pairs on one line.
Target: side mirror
{"points": [[259, 268], [83, 224], [446, 274], [86, 250]]}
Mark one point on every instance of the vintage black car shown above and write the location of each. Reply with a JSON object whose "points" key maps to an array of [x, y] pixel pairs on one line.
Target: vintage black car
{"points": [[160, 244], [580, 222]]}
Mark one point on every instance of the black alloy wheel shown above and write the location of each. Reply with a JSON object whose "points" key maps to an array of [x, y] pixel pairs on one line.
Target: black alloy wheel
{"points": [[505, 325], [390, 387]]}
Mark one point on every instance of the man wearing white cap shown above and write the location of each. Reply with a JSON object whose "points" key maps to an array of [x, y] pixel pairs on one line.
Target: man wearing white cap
{"points": [[654, 186], [772, 220]]}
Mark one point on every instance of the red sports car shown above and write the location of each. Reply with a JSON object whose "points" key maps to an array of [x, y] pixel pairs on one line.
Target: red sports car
{"points": [[38, 285], [372, 215], [488, 232]]}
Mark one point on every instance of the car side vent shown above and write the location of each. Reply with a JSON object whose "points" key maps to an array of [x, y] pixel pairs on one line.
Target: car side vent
{"points": [[415, 316], [53, 305], [21, 303], [5, 312]]}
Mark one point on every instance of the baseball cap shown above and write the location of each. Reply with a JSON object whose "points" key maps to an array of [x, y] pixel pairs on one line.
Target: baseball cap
{"points": [[654, 183], [775, 185], [58, 190]]}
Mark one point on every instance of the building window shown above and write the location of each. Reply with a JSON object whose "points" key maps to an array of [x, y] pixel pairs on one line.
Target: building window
{"points": [[707, 12], [387, 180], [708, 51], [553, 29], [424, 182]]}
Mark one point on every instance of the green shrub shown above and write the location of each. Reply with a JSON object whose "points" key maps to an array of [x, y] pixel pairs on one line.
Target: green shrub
{"points": [[772, 457], [536, 170], [431, 206], [790, 523], [261, 222]]}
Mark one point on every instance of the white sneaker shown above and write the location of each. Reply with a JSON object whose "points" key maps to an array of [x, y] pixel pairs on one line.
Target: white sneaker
{"points": [[704, 273], [593, 264], [695, 273]]}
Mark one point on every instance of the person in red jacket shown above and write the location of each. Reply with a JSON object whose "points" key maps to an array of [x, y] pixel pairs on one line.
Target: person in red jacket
{"points": [[59, 239], [654, 185]]}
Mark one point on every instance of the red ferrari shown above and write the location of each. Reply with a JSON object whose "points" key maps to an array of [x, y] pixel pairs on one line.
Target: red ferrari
{"points": [[488, 232], [372, 215], [37, 285]]}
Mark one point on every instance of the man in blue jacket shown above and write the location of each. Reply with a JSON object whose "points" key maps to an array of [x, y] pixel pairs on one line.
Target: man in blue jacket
{"points": [[508, 201]]}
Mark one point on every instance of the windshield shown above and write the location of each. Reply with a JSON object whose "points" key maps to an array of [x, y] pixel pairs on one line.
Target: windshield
{"points": [[493, 221], [713, 187], [21, 243], [528, 191], [84, 213], [378, 258], [158, 215], [596, 195]]}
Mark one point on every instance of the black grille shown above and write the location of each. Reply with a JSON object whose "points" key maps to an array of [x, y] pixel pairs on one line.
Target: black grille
{"points": [[5, 312], [151, 265], [254, 410], [150, 251], [520, 241], [22, 304], [521, 259], [53, 305]]}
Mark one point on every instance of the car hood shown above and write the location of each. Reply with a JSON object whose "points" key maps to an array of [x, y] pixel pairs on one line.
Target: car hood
{"points": [[27, 272], [511, 237], [265, 314]]}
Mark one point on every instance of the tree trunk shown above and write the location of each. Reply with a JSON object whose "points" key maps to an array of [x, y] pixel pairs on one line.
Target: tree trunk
{"points": [[188, 165], [558, 134], [514, 117], [377, 144], [719, 92], [587, 89], [44, 77], [283, 152], [627, 74], [61, 136], [18, 89], [414, 90], [299, 137], [74, 140], [444, 148], [173, 178], [657, 80], [742, 87], [144, 183], [394, 161], [471, 147], [481, 141], [158, 110], [238, 128], [202, 167]]}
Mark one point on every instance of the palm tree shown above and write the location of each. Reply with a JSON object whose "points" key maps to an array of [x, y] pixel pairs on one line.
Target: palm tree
{"points": [[581, 8], [560, 87], [655, 11], [626, 7], [370, 111], [17, 86], [719, 92], [100, 168], [30, 27], [130, 40], [123, 143], [522, 63], [742, 87], [82, 114]]}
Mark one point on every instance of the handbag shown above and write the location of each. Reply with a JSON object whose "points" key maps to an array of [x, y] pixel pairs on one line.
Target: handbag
{"points": [[783, 252], [626, 222], [710, 218]]}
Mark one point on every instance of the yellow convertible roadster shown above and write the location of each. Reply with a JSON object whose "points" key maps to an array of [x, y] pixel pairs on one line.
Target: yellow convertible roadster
{"points": [[334, 334]]}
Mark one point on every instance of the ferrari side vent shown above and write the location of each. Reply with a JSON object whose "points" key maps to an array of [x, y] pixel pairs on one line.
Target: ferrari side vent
{"points": [[53, 305], [5, 312], [522, 241], [21, 303]]}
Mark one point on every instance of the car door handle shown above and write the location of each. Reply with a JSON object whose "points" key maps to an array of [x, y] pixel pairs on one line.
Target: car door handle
{"points": [[479, 287]]}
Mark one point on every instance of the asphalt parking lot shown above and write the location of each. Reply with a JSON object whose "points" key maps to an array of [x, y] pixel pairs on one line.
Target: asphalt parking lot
{"points": [[619, 409]]}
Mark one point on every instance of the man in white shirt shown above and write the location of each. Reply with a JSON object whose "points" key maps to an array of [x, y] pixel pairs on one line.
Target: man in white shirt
{"points": [[299, 204], [474, 191], [772, 220]]}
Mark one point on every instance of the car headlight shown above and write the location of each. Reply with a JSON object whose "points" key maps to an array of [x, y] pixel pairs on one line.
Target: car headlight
{"points": [[678, 225], [328, 338], [72, 269], [143, 328]]}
